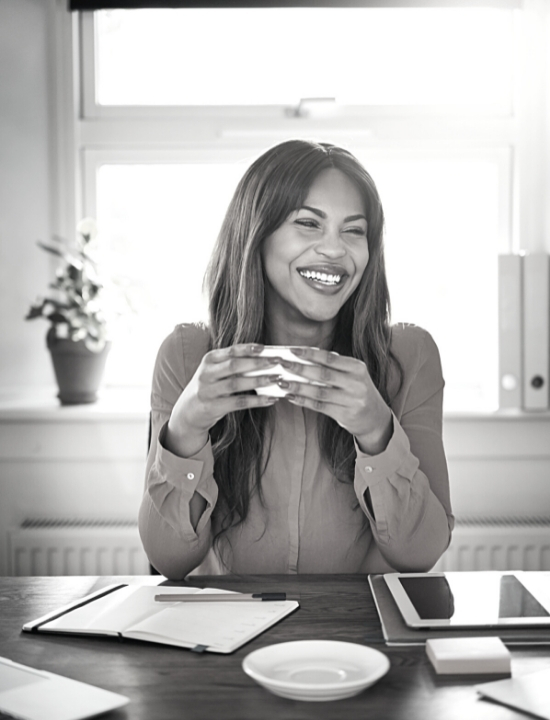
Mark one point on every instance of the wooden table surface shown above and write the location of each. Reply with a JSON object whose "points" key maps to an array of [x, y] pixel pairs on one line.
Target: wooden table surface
{"points": [[164, 682]]}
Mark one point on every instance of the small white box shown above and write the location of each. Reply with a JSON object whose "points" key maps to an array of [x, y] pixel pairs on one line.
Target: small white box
{"points": [[469, 656]]}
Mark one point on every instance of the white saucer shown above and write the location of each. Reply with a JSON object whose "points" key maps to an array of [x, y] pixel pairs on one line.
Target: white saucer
{"points": [[316, 669]]}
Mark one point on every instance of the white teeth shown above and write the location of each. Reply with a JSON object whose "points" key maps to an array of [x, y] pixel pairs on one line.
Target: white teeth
{"points": [[321, 277]]}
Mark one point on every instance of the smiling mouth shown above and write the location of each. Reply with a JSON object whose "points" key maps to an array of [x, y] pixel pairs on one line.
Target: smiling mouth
{"points": [[331, 280]]}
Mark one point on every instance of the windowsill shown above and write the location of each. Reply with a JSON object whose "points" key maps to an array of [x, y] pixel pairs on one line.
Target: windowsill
{"points": [[133, 404], [42, 405], [496, 416]]}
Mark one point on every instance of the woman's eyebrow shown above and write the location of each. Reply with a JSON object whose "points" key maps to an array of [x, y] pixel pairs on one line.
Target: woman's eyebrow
{"points": [[316, 211], [323, 215]]}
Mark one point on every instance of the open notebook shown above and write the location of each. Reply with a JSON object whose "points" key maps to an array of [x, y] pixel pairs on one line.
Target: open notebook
{"points": [[130, 611]]}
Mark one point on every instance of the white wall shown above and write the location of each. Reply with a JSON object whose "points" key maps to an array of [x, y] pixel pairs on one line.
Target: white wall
{"points": [[87, 462], [25, 184], [496, 467], [29, 158]]}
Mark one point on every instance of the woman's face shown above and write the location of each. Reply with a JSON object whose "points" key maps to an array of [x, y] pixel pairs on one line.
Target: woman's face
{"points": [[314, 261]]}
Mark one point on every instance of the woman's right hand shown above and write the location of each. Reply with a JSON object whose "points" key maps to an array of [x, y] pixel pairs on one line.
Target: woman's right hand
{"points": [[215, 390]]}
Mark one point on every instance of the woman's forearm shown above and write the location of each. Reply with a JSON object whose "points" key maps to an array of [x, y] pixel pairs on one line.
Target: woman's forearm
{"points": [[181, 438], [376, 441]]}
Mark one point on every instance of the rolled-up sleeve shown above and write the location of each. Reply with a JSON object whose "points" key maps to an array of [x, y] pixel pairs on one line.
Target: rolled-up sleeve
{"points": [[408, 484]]}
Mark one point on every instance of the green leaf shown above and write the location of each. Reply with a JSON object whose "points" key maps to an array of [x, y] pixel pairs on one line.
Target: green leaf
{"points": [[50, 249], [34, 311], [56, 317]]}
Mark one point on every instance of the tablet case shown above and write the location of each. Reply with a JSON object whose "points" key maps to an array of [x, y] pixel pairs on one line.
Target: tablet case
{"points": [[397, 633]]}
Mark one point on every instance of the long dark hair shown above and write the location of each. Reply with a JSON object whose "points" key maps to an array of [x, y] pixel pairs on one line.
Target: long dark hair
{"points": [[275, 185]]}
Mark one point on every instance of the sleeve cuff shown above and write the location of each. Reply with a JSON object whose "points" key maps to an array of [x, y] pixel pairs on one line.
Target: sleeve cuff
{"points": [[372, 470], [395, 458], [190, 475]]}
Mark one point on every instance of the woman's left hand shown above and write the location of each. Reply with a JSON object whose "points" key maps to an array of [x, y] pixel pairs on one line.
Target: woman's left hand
{"points": [[348, 395]]}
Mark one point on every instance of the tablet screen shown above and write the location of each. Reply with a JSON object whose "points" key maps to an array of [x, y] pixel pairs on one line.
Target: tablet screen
{"points": [[437, 598]]}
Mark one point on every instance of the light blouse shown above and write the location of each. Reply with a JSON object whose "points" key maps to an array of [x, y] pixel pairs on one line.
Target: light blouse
{"points": [[306, 520]]}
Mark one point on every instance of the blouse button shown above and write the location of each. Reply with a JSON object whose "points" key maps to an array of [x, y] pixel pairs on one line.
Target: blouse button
{"points": [[190, 476], [368, 468]]}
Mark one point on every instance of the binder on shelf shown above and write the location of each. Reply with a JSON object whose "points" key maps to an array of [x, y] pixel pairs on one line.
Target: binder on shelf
{"points": [[510, 331], [536, 330]]}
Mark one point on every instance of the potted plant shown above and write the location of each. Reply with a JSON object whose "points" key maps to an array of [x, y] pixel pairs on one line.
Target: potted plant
{"points": [[78, 337]]}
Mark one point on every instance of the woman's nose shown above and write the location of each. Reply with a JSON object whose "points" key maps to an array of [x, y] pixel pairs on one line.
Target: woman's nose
{"points": [[331, 244]]}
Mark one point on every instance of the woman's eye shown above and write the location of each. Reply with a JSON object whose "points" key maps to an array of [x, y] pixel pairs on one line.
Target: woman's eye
{"points": [[306, 222], [356, 231]]}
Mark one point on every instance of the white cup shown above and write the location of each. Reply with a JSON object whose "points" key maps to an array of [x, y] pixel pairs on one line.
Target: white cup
{"points": [[285, 353]]}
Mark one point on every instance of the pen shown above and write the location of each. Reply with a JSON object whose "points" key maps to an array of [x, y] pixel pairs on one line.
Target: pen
{"points": [[221, 597]]}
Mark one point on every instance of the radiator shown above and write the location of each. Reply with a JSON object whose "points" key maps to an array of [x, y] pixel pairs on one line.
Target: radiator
{"points": [[498, 544], [76, 547], [110, 547]]}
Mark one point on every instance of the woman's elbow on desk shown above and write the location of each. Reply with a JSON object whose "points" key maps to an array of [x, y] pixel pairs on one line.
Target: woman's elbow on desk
{"points": [[421, 552], [173, 563], [171, 555]]}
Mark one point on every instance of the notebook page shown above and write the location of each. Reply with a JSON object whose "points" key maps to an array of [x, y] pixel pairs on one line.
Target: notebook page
{"points": [[113, 613], [220, 627]]}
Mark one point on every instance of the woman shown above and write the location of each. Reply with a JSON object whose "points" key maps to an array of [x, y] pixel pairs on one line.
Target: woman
{"points": [[347, 472]]}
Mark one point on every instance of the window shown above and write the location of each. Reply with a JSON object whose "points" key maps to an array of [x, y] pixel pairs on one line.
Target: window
{"points": [[425, 97], [358, 56]]}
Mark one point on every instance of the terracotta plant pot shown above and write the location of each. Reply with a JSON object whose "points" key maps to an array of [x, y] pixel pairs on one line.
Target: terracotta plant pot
{"points": [[78, 371]]}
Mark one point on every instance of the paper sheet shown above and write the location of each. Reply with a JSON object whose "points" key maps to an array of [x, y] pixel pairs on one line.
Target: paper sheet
{"points": [[115, 612], [529, 693], [221, 628]]}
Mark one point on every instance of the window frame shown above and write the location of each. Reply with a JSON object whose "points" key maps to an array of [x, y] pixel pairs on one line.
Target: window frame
{"points": [[92, 110], [521, 128], [198, 133], [88, 135]]}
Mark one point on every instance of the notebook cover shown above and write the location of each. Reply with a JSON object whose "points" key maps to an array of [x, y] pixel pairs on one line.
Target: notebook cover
{"points": [[397, 633], [226, 629]]}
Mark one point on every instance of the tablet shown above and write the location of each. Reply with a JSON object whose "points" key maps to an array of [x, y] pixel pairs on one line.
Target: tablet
{"points": [[472, 599]]}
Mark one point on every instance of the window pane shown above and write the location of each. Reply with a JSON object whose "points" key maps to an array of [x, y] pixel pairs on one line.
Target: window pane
{"points": [[159, 222], [372, 56], [158, 225], [442, 243]]}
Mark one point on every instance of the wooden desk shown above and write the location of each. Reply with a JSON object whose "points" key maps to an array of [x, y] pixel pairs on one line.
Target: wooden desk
{"points": [[164, 682]]}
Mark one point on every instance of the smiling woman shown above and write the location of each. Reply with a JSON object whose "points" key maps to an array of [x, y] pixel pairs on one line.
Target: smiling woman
{"points": [[315, 260], [346, 472], [163, 149]]}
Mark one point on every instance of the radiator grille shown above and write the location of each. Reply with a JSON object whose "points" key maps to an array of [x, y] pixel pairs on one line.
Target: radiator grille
{"points": [[508, 543], [46, 546]]}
